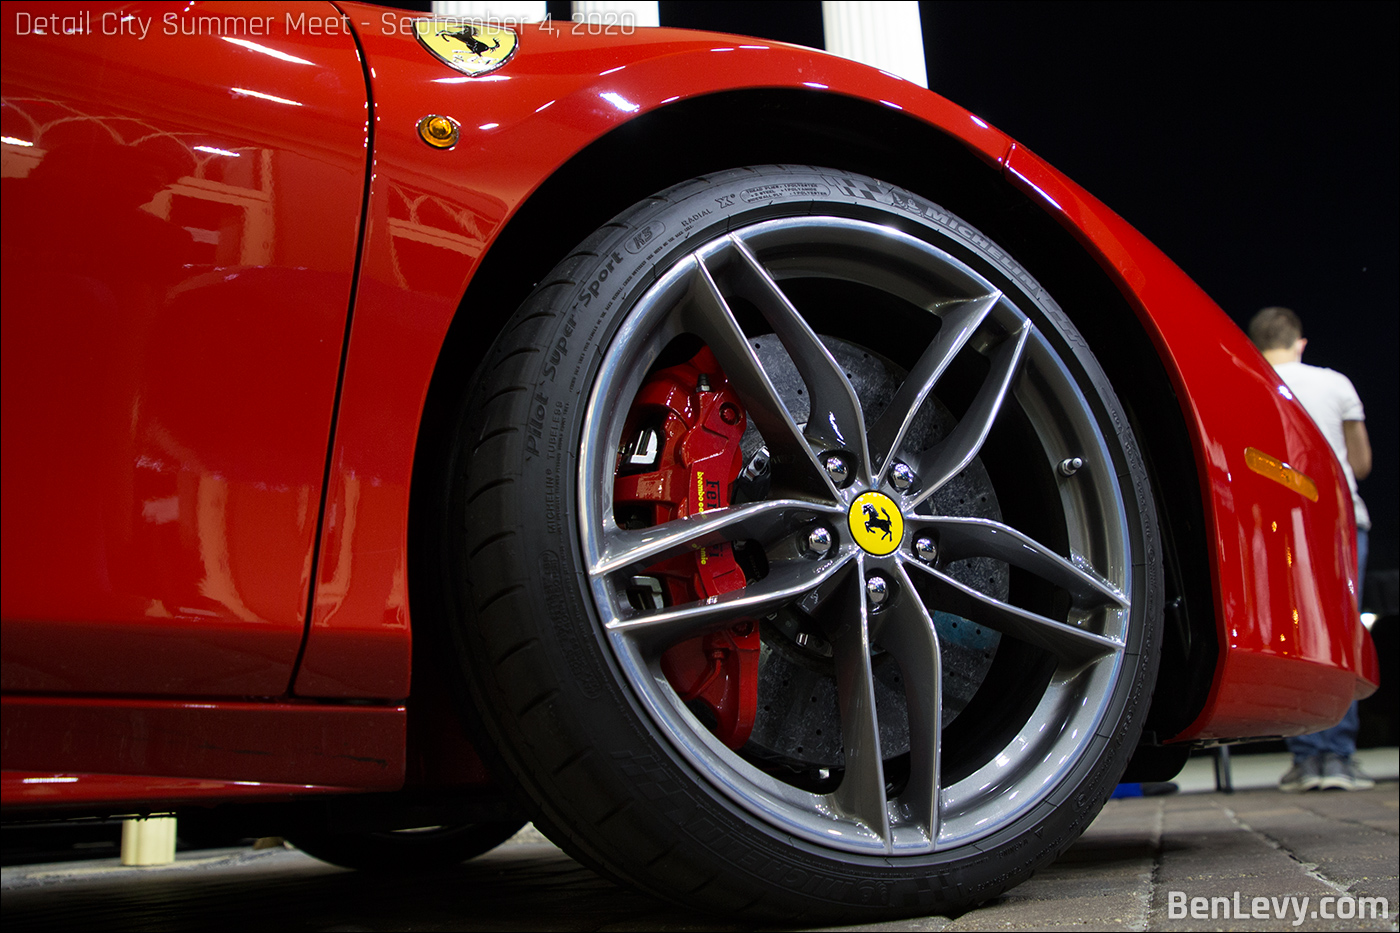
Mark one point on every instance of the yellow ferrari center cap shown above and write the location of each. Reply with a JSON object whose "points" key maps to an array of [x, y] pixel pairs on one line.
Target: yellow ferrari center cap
{"points": [[876, 523]]}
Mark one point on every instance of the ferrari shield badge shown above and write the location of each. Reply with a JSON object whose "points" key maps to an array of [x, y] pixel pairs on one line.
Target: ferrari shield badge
{"points": [[471, 48]]}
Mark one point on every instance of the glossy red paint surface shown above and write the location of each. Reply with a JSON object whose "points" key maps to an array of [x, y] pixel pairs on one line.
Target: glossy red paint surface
{"points": [[180, 218], [1291, 641], [1264, 576], [434, 213], [286, 743], [167, 408], [42, 790], [1273, 555]]}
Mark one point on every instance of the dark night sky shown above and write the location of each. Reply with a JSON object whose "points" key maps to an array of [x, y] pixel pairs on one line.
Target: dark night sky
{"points": [[1255, 143]]}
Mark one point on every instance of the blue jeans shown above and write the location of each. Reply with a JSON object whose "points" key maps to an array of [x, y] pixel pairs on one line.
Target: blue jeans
{"points": [[1340, 740]]}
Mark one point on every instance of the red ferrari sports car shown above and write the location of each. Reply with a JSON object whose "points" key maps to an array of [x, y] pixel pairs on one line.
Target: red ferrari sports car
{"points": [[781, 486]]}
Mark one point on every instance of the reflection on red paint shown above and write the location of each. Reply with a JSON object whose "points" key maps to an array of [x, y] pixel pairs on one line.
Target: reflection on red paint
{"points": [[177, 275], [1286, 594]]}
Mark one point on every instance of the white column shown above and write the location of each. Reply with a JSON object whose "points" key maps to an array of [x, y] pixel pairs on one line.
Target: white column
{"points": [[627, 13], [148, 842], [884, 34], [515, 11]]}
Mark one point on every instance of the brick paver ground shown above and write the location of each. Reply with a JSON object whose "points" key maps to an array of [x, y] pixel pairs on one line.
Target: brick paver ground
{"points": [[1121, 875]]}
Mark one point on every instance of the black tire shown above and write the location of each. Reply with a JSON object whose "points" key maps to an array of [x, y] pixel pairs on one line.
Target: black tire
{"points": [[406, 850], [1052, 570]]}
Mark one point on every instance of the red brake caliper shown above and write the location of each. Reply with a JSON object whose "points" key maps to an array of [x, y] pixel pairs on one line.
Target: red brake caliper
{"points": [[681, 456]]}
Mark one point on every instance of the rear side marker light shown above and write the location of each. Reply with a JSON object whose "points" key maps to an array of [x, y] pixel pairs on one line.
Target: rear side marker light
{"points": [[1280, 472]]}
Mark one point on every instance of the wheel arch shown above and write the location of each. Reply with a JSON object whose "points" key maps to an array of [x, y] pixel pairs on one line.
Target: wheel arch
{"points": [[761, 126]]}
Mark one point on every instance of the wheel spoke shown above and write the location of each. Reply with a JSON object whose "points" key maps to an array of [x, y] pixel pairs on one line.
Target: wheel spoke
{"points": [[909, 635], [756, 294], [704, 312], [1074, 646], [942, 462], [836, 420], [785, 583], [958, 325], [861, 794], [764, 522], [961, 538]]}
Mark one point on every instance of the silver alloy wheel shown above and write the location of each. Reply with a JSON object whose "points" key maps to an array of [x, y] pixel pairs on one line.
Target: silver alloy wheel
{"points": [[697, 296]]}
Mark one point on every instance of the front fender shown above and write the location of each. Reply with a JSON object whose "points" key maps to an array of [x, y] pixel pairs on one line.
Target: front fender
{"points": [[1293, 652], [1281, 566], [434, 214]]}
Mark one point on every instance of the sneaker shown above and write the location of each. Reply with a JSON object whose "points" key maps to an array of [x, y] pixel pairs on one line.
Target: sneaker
{"points": [[1304, 775], [1343, 774]]}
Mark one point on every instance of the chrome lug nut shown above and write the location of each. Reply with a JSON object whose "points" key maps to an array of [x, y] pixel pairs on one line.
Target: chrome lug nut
{"points": [[926, 549], [902, 476], [877, 590], [837, 468], [1071, 465], [819, 541]]}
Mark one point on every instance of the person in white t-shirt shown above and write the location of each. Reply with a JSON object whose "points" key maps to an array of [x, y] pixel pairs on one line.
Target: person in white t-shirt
{"points": [[1323, 760]]}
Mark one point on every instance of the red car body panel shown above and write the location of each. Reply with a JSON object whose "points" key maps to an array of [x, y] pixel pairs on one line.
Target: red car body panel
{"points": [[175, 293], [42, 790], [257, 743], [162, 479], [1292, 647]]}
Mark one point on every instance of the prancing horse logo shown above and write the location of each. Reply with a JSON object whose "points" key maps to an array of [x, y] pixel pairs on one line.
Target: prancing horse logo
{"points": [[467, 36], [874, 523], [472, 48]]}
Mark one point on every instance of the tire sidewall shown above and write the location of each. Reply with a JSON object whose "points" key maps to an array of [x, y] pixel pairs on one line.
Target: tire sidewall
{"points": [[636, 769]]}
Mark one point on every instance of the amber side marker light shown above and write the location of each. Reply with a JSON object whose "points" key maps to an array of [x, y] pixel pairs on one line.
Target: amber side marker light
{"points": [[1280, 472], [438, 131]]}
